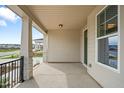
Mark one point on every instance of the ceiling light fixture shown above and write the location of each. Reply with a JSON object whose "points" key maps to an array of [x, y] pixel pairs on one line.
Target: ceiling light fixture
{"points": [[60, 25]]}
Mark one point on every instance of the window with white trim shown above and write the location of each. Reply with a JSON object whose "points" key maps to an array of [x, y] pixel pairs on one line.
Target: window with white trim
{"points": [[107, 36]]}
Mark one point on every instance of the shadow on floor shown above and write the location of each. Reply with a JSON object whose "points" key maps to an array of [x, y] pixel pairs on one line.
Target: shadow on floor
{"points": [[32, 83]]}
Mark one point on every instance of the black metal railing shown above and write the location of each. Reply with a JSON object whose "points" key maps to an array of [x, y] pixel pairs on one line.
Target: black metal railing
{"points": [[11, 73]]}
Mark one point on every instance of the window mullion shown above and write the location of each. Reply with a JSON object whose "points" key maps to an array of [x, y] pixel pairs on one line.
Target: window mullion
{"points": [[105, 24], [106, 36]]}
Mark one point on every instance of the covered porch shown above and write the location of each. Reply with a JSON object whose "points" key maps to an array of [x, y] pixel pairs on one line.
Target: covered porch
{"points": [[61, 26], [70, 46]]}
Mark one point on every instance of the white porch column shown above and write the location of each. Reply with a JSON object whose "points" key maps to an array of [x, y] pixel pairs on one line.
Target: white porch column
{"points": [[26, 47], [45, 48]]}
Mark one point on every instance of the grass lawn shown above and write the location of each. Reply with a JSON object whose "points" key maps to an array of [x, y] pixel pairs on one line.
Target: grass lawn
{"points": [[10, 56], [8, 50]]}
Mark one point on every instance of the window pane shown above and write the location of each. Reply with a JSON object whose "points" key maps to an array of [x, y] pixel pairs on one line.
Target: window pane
{"points": [[111, 11], [111, 26], [101, 30], [113, 51], [108, 51], [101, 18], [101, 50]]}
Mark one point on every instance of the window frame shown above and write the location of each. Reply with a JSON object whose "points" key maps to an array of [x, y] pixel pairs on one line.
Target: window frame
{"points": [[105, 36]]}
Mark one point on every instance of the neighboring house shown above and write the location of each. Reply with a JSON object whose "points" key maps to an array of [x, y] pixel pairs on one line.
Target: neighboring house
{"points": [[38, 44], [7, 46]]}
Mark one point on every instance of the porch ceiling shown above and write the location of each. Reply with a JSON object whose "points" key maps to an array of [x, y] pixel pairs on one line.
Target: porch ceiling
{"points": [[71, 16]]}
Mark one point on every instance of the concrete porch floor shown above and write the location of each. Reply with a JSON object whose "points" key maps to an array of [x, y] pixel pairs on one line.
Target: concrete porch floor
{"points": [[60, 75]]}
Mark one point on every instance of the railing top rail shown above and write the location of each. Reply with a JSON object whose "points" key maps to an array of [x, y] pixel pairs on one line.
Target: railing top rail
{"points": [[10, 61]]}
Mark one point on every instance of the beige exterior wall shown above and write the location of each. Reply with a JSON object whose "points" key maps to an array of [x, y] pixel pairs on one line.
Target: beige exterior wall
{"points": [[105, 76], [64, 46]]}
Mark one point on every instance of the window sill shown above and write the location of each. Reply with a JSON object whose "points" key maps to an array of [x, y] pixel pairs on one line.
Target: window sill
{"points": [[108, 67]]}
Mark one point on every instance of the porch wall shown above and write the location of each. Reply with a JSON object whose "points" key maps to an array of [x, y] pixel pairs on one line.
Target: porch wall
{"points": [[105, 77], [64, 46]]}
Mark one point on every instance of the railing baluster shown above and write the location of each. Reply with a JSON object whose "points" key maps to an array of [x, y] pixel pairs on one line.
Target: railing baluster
{"points": [[12, 76], [5, 76], [13, 73], [9, 75], [1, 77], [17, 71]]}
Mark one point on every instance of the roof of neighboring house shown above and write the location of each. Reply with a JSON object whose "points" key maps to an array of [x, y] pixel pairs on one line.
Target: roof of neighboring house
{"points": [[40, 40]]}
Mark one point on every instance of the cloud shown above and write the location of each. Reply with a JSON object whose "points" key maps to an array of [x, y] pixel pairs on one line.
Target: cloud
{"points": [[7, 14], [2, 23]]}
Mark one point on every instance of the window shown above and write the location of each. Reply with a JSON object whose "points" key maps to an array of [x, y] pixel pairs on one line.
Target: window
{"points": [[107, 36]]}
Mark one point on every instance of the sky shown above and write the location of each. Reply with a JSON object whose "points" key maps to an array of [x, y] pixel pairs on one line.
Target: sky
{"points": [[11, 26]]}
